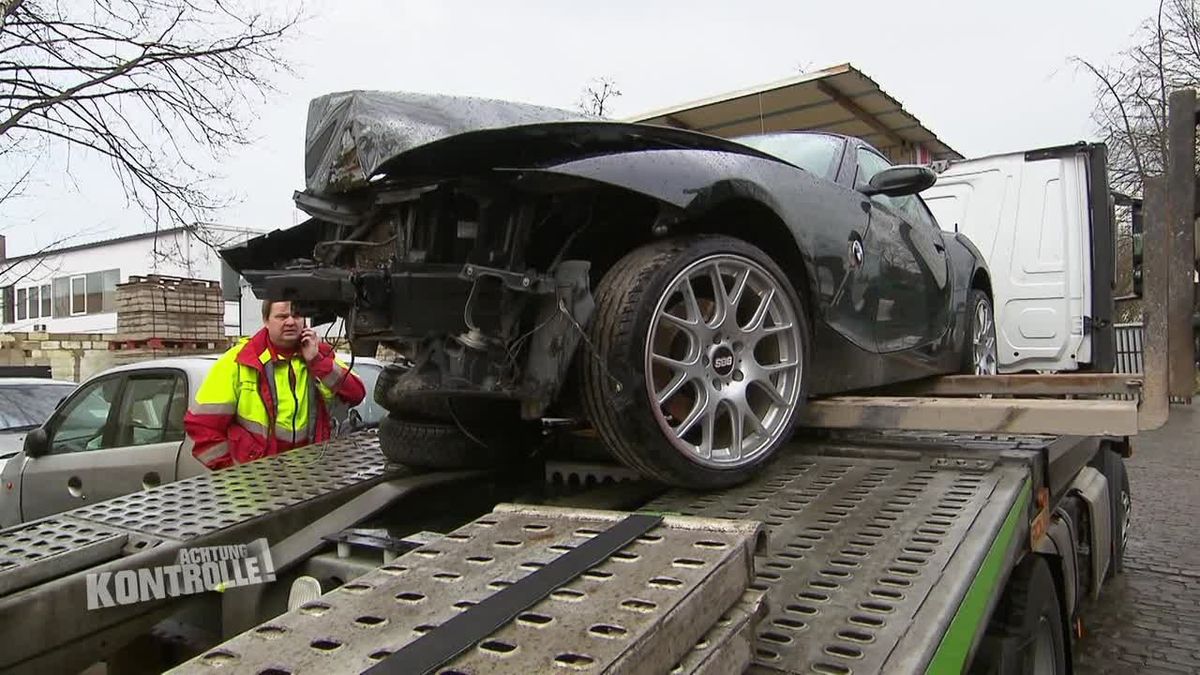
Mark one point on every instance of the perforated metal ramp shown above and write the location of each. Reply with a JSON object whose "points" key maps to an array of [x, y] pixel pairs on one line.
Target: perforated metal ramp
{"points": [[640, 611], [43, 563], [868, 556]]}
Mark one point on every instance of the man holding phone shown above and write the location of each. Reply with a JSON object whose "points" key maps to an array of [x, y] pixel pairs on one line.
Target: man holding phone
{"points": [[269, 393]]}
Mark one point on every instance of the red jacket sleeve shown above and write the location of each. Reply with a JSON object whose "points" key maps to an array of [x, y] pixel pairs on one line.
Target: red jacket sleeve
{"points": [[344, 383], [211, 412]]}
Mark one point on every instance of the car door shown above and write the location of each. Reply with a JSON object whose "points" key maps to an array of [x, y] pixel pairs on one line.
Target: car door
{"points": [[907, 264], [115, 436]]}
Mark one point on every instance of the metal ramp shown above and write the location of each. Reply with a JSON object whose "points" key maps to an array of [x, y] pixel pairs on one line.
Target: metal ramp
{"points": [[673, 600], [872, 547], [868, 557], [44, 563]]}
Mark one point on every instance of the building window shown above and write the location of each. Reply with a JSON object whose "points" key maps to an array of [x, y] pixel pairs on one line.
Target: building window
{"points": [[21, 306], [34, 302], [78, 295], [45, 313]]}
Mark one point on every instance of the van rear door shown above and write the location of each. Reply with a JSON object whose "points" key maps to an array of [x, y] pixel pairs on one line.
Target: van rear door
{"points": [[1028, 215]]}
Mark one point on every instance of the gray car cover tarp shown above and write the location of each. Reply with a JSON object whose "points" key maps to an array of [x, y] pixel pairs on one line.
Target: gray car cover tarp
{"points": [[351, 134]]}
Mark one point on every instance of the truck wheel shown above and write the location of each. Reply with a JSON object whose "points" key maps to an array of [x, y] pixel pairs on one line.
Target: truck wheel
{"points": [[438, 445], [1112, 465], [1026, 632], [980, 355], [700, 362]]}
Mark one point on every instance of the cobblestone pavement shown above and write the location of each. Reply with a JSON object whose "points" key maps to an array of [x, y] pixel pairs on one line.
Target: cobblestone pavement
{"points": [[1148, 619]]}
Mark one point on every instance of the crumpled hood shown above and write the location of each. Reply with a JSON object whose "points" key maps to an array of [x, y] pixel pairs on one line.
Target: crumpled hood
{"points": [[351, 134]]}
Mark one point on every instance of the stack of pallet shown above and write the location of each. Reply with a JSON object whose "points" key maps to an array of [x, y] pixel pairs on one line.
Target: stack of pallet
{"points": [[160, 312]]}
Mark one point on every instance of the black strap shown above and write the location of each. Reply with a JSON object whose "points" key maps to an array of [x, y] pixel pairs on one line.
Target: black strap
{"points": [[450, 639]]}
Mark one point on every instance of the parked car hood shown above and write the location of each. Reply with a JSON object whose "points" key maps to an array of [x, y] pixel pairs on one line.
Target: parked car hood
{"points": [[353, 136], [11, 443]]}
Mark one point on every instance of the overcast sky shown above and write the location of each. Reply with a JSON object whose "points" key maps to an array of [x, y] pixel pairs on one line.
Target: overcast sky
{"points": [[984, 77]]}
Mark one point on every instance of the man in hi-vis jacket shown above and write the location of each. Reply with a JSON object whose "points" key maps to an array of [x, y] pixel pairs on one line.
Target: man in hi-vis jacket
{"points": [[269, 393]]}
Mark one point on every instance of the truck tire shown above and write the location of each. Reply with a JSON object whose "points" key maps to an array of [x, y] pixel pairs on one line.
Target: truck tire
{"points": [[979, 353], [1112, 465], [1026, 633], [438, 445], [672, 379]]}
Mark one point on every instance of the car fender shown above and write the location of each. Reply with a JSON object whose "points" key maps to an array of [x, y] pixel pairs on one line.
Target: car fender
{"points": [[966, 260], [694, 183]]}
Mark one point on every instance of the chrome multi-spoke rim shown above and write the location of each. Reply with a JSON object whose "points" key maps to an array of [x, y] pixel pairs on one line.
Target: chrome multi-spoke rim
{"points": [[983, 342], [724, 361]]}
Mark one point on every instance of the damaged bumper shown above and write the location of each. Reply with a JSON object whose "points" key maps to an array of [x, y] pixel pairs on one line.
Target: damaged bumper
{"points": [[472, 330]]}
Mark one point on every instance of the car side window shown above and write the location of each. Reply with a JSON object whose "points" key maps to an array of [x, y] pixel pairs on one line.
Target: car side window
{"points": [[150, 410], [869, 164], [908, 207], [85, 423]]}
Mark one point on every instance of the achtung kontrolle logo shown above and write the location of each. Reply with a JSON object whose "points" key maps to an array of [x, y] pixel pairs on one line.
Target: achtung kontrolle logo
{"points": [[196, 570]]}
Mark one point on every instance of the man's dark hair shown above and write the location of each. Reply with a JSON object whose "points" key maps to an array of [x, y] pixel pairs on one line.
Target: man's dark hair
{"points": [[266, 308]]}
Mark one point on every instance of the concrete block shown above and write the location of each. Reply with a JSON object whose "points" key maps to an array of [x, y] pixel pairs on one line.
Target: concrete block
{"points": [[72, 344], [51, 344], [38, 336]]}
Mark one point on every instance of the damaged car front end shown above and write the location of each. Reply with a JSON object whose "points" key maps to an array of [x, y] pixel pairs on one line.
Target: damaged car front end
{"points": [[437, 230], [676, 296]]}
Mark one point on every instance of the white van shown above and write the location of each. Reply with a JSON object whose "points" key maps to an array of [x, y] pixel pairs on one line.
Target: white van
{"points": [[1043, 219]]}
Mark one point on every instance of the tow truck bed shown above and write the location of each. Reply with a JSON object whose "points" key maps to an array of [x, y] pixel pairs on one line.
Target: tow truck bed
{"points": [[883, 554]]}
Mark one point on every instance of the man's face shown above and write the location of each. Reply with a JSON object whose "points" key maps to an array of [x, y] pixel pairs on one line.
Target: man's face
{"points": [[283, 326]]}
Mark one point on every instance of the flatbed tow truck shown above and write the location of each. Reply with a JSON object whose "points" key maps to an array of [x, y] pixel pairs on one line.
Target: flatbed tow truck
{"points": [[960, 525]]}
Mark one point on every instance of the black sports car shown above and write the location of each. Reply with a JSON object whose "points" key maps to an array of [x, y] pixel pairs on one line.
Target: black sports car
{"points": [[678, 294]]}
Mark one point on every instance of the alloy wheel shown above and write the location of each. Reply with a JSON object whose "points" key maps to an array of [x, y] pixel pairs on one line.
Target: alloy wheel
{"points": [[723, 361], [983, 340]]}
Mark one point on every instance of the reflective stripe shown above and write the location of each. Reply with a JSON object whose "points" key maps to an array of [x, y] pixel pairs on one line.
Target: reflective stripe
{"points": [[214, 453], [284, 433], [253, 427], [211, 408], [335, 376], [270, 368]]}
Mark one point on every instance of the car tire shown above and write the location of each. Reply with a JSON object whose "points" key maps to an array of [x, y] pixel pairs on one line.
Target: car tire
{"points": [[979, 356], [1112, 465], [1026, 633], [440, 445], [643, 309]]}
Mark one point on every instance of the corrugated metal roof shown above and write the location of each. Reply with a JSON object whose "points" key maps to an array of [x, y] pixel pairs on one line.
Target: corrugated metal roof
{"points": [[840, 99]]}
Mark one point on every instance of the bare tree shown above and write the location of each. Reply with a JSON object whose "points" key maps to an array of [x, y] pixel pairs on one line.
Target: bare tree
{"points": [[597, 95], [1132, 91], [157, 88], [1131, 112]]}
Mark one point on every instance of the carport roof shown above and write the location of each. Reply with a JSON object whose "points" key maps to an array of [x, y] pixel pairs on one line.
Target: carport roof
{"points": [[840, 99]]}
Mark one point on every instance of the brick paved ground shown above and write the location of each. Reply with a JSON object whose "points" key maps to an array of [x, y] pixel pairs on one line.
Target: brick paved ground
{"points": [[1148, 620]]}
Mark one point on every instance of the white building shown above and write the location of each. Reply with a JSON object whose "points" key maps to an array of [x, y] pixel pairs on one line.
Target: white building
{"points": [[72, 289]]}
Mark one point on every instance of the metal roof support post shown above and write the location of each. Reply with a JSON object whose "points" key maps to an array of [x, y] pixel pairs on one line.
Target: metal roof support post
{"points": [[1181, 236], [1155, 391]]}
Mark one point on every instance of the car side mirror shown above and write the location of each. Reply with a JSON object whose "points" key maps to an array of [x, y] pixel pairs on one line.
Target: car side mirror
{"points": [[37, 442], [898, 181]]}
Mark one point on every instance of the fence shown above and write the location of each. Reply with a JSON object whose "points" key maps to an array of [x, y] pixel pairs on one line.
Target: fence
{"points": [[1129, 339]]}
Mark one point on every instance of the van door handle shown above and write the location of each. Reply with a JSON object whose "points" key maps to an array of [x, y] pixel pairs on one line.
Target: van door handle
{"points": [[75, 487]]}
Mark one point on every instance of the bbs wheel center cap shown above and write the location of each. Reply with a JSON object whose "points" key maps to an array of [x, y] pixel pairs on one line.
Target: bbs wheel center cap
{"points": [[722, 361]]}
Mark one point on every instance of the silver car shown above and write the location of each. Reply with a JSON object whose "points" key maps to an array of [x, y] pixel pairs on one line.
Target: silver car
{"points": [[26, 402], [122, 431]]}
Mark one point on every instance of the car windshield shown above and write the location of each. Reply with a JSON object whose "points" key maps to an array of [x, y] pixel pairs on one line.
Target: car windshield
{"points": [[816, 153], [28, 405]]}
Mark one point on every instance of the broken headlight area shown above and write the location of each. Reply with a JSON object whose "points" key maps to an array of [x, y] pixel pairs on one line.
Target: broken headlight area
{"points": [[468, 330]]}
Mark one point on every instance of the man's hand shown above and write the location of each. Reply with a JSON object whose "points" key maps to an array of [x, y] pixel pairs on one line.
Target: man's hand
{"points": [[309, 343]]}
